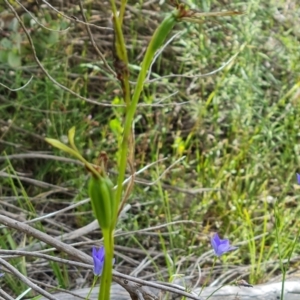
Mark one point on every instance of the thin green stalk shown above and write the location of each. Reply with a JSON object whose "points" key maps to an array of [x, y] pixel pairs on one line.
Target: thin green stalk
{"points": [[169, 228], [120, 48], [106, 277], [126, 90], [283, 270], [156, 42], [209, 276], [252, 246], [119, 35], [170, 266], [93, 285], [263, 241], [122, 11]]}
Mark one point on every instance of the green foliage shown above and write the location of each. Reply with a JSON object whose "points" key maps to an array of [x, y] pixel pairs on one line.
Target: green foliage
{"points": [[14, 48]]}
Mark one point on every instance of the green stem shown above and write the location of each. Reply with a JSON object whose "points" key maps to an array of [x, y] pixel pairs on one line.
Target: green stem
{"points": [[283, 270], [209, 276], [156, 42], [120, 48], [93, 285], [106, 277], [122, 11]]}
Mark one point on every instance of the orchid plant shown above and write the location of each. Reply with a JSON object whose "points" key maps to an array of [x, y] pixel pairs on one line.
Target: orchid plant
{"points": [[107, 202]]}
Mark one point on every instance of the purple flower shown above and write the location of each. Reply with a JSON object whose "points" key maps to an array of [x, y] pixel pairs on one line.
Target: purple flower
{"points": [[298, 178], [221, 246], [98, 257]]}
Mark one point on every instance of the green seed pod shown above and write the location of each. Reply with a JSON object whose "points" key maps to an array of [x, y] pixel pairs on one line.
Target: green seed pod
{"points": [[156, 42], [110, 187], [100, 195], [162, 32]]}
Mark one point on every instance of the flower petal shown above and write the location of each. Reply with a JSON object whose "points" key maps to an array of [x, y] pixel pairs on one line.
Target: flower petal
{"points": [[298, 178], [215, 241], [98, 259], [221, 246]]}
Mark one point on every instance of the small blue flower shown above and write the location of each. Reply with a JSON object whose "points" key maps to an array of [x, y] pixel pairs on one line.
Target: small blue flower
{"points": [[221, 246], [98, 258], [298, 178]]}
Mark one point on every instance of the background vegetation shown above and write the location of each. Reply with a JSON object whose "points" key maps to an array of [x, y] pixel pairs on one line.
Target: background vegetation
{"points": [[236, 132]]}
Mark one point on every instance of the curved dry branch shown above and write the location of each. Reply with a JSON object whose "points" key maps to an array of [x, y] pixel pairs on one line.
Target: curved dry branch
{"points": [[226, 64], [17, 89], [158, 53]]}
